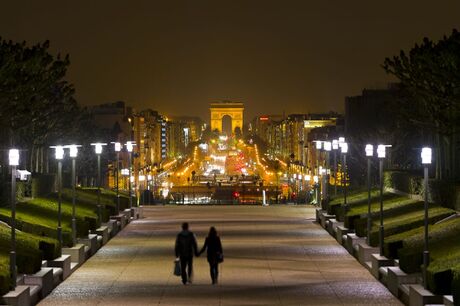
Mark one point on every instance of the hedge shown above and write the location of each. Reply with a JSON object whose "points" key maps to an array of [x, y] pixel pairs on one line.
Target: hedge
{"points": [[42, 184], [442, 192], [456, 284], [29, 249], [5, 278]]}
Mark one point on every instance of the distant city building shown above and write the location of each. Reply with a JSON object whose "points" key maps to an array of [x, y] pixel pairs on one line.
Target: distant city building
{"points": [[287, 137], [371, 111], [181, 131]]}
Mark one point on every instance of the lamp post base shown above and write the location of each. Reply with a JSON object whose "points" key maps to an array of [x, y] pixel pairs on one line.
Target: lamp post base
{"points": [[426, 262], [74, 231], [13, 268], [99, 213], [59, 236]]}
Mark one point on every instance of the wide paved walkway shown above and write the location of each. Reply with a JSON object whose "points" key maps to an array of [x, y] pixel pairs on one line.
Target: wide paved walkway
{"points": [[273, 256]]}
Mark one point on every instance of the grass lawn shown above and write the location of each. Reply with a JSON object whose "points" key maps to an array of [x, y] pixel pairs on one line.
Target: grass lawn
{"points": [[407, 221], [39, 216]]}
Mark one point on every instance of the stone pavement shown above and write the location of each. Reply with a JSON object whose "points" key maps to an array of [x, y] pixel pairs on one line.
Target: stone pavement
{"points": [[273, 256]]}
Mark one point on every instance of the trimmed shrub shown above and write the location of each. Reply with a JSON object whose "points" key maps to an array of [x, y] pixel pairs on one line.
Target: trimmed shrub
{"points": [[456, 284], [5, 278], [442, 192], [42, 184]]}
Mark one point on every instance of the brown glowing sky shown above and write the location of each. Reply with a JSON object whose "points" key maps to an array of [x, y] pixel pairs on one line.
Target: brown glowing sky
{"points": [[275, 56]]}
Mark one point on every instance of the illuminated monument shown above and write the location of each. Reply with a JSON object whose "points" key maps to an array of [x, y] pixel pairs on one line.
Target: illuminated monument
{"points": [[221, 109]]}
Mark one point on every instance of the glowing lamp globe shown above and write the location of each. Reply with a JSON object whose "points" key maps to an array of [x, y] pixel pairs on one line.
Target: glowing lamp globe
{"points": [[426, 156], [344, 148], [335, 144], [381, 151], [117, 147], [59, 152], [13, 157], [73, 151], [369, 150], [327, 146]]}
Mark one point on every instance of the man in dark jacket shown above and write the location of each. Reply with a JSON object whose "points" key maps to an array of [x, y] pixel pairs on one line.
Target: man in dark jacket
{"points": [[185, 248]]}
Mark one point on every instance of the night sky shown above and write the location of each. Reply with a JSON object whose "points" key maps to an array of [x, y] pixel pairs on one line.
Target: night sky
{"points": [[178, 56]]}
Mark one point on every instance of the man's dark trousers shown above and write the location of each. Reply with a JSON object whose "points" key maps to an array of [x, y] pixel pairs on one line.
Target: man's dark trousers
{"points": [[186, 265]]}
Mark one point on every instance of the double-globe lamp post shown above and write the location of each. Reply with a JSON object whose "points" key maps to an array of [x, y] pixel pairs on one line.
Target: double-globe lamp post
{"points": [[319, 145], [317, 196], [327, 148], [426, 161], [73, 152], [369, 154], [13, 156], [118, 147], [129, 148], [381, 153], [344, 151], [59, 155], [335, 147], [98, 149]]}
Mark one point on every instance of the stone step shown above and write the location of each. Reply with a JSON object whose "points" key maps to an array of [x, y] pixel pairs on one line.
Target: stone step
{"points": [[20, 296], [448, 300], [43, 278], [35, 294]]}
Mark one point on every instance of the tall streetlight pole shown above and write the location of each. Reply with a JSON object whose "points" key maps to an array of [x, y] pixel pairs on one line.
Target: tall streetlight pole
{"points": [[319, 145], [73, 152], [344, 151], [335, 147], [369, 154], [381, 152], [327, 148], [98, 150], [426, 161], [316, 181], [59, 155], [129, 148], [117, 150], [13, 156]]}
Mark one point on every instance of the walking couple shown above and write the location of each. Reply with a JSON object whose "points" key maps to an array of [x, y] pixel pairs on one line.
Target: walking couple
{"points": [[186, 248]]}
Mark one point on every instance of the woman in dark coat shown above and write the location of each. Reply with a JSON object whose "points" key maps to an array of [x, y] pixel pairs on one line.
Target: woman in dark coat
{"points": [[215, 254]]}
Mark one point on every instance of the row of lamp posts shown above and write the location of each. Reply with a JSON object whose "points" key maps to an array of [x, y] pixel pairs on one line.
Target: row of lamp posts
{"points": [[13, 158], [426, 155]]}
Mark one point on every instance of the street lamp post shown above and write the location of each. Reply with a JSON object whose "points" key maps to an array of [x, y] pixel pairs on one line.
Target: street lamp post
{"points": [[117, 150], [129, 148], [369, 154], [59, 154], [327, 148], [142, 187], [381, 155], [344, 150], [426, 161], [316, 180], [73, 152], [98, 150], [13, 156], [125, 173], [319, 145], [335, 147]]}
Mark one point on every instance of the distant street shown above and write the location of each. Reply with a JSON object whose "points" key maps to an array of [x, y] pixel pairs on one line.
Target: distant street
{"points": [[273, 256]]}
